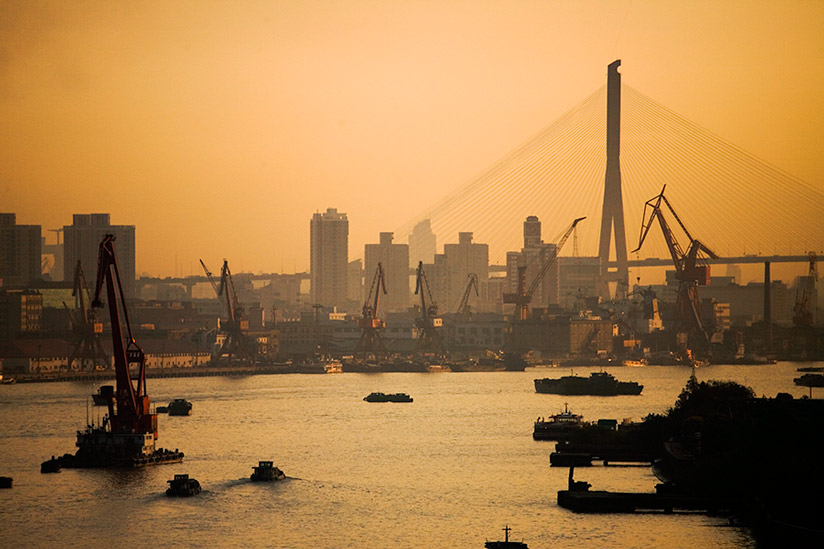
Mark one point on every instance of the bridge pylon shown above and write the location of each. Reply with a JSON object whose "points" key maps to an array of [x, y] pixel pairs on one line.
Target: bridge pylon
{"points": [[613, 211]]}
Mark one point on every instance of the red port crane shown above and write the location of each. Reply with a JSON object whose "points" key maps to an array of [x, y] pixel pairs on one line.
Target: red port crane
{"points": [[429, 340], [689, 273], [371, 340], [132, 414], [236, 343], [523, 296]]}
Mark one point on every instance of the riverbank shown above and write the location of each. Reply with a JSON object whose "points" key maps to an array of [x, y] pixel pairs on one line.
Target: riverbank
{"points": [[197, 371]]}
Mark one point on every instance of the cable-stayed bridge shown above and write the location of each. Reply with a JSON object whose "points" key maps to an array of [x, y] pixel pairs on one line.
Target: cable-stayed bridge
{"points": [[742, 207]]}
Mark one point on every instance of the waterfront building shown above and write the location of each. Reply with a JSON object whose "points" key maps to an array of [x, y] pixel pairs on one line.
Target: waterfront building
{"points": [[81, 242], [461, 259], [394, 258], [20, 312], [20, 249], [329, 258]]}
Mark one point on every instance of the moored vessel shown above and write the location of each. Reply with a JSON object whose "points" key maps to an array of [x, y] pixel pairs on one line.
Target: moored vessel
{"points": [[179, 407], [597, 384], [558, 426]]}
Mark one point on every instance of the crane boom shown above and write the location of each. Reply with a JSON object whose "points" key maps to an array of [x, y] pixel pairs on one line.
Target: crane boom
{"points": [[687, 270], [133, 412], [472, 282], [523, 296]]}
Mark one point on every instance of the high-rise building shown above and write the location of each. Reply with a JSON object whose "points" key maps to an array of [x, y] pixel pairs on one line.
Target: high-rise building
{"points": [[81, 241], [422, 244], [461, 259], [20, 248], [394, 258], [329, 257]]}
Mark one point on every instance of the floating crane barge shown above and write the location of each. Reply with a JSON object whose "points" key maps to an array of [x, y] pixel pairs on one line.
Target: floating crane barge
{"points": [[128, 433]]}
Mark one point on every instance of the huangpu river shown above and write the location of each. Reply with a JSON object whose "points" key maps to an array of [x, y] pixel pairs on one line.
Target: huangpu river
{"points": [[448, 470]]}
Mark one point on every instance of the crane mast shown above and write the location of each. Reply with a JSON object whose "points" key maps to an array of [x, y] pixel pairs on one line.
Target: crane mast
{"points": [[463, 307], [523, 296], [429, 340], [236, 343], [132, 414], [86, 347], [371, 340], [689, 273]]}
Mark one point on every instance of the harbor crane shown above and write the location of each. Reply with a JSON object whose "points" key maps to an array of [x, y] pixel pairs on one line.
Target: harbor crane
{"points": [[371, 340], [463, 307], [804, 307], [429, 340], [236, 343], [86, 348], [132, 413], [523, 296], [689, 273]]}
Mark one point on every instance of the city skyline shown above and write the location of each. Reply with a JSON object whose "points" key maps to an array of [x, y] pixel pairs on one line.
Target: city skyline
{"points": [[218, 140]]}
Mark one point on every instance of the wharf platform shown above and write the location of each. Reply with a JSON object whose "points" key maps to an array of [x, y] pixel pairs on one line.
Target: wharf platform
{"points": [[601, 501]]}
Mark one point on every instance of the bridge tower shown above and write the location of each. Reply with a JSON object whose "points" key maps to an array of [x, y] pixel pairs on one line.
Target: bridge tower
{"points": [[613, 210]]}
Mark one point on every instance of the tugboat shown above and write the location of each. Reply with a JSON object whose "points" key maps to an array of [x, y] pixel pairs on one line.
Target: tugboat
{"points": [[506, 544], [380, 397], [129, 431], [597, 384], [558, 426], [266, 471], [6, 482], [179, 407], [182, 486]]}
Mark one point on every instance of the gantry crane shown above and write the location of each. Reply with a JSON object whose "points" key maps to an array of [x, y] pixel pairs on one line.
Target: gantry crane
{"points": [[463, 307], [371, 340], [803, 310], [236, 344], [523, 296], [689, 273], [86, 347], [132, 413], [429, 340]]}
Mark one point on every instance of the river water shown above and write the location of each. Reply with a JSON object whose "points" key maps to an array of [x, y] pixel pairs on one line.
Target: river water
{"points": [[448, 470]]}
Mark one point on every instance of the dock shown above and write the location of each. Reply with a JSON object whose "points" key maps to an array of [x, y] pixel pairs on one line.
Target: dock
{"points": [[601, 501]]}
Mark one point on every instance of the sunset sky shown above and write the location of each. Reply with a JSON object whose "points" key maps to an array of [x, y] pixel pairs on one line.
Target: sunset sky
{"points": [[219, 128]]}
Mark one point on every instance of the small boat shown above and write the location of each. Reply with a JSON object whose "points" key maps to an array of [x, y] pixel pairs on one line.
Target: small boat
{"points": [[6, 482], [183, 486], [506, 544], [558, 426], [380, 397], [266, 471], [7, 380], [179, 407], [50, 466], [634, 363]]}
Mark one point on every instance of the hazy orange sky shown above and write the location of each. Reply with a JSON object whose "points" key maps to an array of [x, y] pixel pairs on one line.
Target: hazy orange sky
{"points": [[219, 128]]}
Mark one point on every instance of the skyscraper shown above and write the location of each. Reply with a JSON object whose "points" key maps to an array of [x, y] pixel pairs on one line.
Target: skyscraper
{"points": [[329, 257], [81, 241], [422, 243], [20, 247], [395, 261]]}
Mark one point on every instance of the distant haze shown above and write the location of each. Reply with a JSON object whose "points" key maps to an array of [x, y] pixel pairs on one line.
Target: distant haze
{"points": [[219, 128]]}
